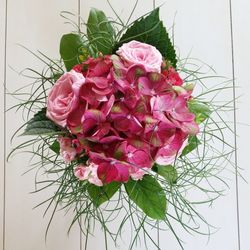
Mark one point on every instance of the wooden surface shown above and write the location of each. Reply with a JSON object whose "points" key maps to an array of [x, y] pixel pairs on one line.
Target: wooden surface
{"points": [[203, 27]]}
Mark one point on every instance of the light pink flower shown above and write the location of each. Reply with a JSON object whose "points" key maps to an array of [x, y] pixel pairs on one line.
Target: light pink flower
{"points": [[67, 151], [135, 52], [89, 173], [138, 174], [68, 154], [63, 97]]}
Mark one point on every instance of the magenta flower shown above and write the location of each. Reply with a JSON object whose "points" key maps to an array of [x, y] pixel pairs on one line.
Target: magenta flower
{"points": [[138, 156], [125, 120], [158, 133], [74, 120], [87, 94], [185, 90], [173, 110], [94, 125], [173, 77], [96, 67], [129, 80], [153, 84], [99, 80], [110, 169], [167, 154]]}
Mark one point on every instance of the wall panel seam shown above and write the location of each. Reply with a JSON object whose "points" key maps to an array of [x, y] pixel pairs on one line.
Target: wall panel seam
{"points": [[79, 27], [235, 127], [4, 122]]}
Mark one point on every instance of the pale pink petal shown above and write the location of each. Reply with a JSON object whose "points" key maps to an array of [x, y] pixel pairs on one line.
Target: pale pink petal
{"points": [[138, 174]]}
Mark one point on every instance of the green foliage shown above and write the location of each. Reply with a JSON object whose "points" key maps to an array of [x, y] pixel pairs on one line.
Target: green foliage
{"points": [[100, 32], [151, 30], [41, 125], [149, 196], [201, 110], [193, 143], [70, 47], [102, 194], [168, 172], [55, 147]]}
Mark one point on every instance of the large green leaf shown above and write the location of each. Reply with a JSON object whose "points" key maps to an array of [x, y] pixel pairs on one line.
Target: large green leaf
{"points": [[150, 30], [193, 143], [201, 110], [149, 196], [70, 47], [100, 195], [41, 125], [100, 32], [168, 172]]}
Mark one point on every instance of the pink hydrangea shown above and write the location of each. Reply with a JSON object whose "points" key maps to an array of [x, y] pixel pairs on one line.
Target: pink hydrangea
{"points": [[167, 154], [124, 113]]}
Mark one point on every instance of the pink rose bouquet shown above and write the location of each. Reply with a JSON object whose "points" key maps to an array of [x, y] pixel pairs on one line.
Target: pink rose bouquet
{"points": [[121, 121]]}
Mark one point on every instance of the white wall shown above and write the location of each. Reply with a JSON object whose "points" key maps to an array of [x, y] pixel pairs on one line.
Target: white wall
{"points": [[200, 26]]}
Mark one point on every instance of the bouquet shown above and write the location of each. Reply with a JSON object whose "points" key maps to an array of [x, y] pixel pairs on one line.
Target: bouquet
{"points": [[119, 128]]}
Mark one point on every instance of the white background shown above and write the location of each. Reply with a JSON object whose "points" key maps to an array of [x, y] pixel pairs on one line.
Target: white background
{"points": [[201, 26]]}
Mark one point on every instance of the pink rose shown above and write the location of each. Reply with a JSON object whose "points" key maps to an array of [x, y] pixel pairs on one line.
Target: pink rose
{"points": [[63, 97], [141, 53]]}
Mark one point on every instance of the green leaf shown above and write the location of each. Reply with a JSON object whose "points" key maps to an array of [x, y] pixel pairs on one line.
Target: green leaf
{"points": [[100, 32], [149, 196], [41, 125], [193, 143], [168, 172], [201, 110], [55, 146], [100, 195], [70, 49], [151, 30]]}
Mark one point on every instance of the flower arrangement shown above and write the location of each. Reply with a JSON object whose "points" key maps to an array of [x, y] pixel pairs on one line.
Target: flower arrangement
{"points": [[121, 129]]}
